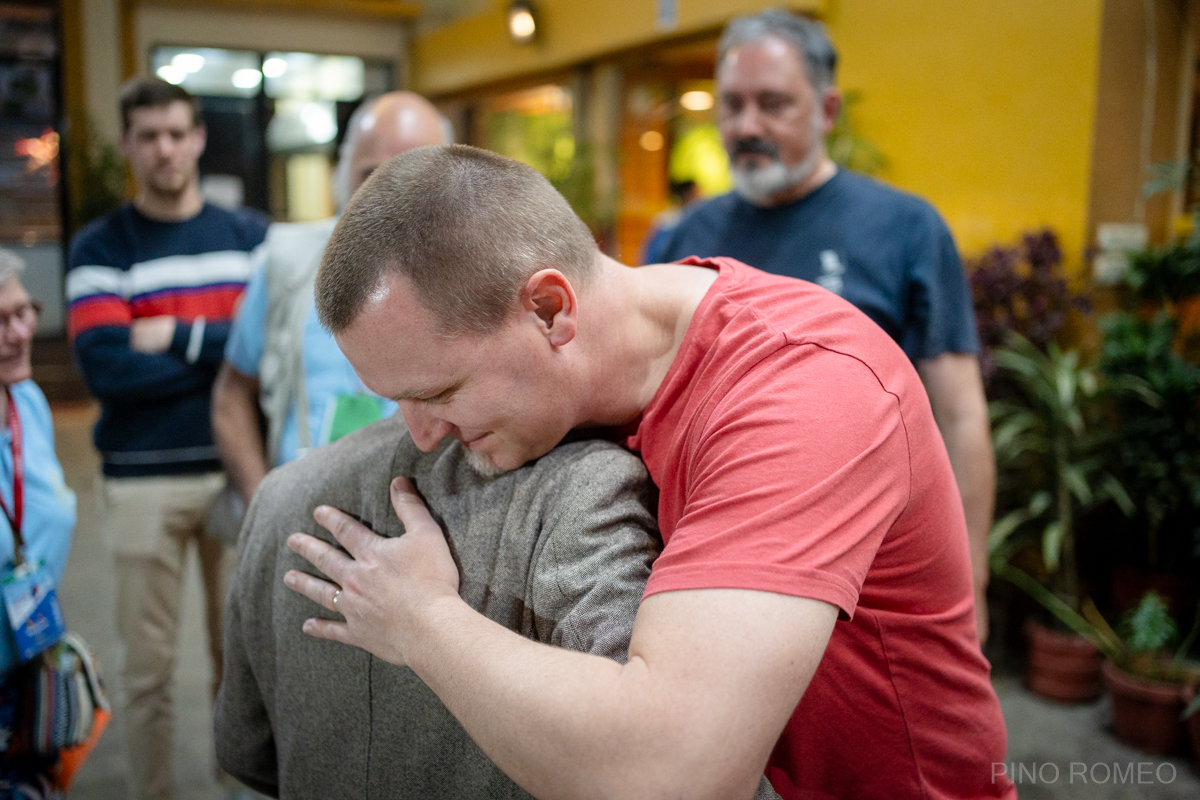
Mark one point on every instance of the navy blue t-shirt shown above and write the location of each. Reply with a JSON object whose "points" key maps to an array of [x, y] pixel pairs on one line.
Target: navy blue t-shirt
{"points": [[887, 252]]}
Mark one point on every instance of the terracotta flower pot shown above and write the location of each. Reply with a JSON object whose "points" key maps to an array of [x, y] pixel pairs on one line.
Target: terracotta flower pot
{"points": [[1062, 666], [1145, 713]]}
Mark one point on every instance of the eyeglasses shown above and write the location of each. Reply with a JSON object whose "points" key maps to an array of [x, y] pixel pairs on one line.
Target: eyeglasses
{"points": [[26, 314]]}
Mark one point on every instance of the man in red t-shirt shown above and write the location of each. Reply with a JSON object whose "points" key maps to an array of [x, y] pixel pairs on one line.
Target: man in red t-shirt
{"points": [[812, 610]]}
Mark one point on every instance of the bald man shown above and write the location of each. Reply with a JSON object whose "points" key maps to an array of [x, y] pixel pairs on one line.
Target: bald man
{"points": [[278, 357]]}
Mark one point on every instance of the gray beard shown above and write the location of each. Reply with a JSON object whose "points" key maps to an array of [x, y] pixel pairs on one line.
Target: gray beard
{"points": [[483, 465], [760, 186]]}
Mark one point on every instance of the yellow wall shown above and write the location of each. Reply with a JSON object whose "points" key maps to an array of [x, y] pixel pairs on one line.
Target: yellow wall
{"points": [[985, 108], [477, 49]]}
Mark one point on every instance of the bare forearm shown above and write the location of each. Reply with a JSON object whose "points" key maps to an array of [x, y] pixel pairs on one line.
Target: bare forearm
{"points": [[712, 679], [956, 394], [237, 431], [969, 444], [564, 724]]}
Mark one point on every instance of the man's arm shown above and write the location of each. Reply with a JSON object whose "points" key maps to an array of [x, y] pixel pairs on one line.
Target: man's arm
{"points": [[713, 675], [237, 429], [122, 358], [955, 389], [113, 370]]}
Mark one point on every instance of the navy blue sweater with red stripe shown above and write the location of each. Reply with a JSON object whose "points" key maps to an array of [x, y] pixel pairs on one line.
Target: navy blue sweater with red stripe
{"points": [[124, 266]]}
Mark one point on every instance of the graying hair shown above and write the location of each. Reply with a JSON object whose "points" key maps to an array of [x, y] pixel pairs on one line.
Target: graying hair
{"points": [[11, 265], [343, 180], [808, 37]]}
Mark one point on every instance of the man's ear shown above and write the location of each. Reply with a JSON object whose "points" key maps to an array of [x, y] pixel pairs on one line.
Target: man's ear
{"points": [[549, 300], [831, 106], [202, 136]]}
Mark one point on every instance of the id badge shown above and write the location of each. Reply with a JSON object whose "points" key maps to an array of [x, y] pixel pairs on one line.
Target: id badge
{"points": [[33, 611]]}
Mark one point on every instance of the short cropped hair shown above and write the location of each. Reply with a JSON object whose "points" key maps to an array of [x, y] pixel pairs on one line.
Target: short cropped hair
{"points": [[149, 91], [808, 37], [465, 226]]}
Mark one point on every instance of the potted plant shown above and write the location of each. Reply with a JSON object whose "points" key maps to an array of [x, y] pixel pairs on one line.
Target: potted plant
{"points": [[1157, 432], [1021, 288], [1051, 452], [1148, 685]]}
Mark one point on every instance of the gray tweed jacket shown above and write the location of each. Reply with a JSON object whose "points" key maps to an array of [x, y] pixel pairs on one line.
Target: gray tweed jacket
{"points": [[558, 550]]}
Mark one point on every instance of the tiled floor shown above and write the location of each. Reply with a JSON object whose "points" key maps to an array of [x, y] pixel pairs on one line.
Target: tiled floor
{"points": [[1052, 748]]}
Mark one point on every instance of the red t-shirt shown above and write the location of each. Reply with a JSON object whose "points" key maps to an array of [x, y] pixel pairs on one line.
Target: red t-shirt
{"points": [[795, 451]]}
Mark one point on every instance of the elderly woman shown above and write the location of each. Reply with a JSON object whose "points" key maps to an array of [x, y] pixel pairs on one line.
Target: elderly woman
{"points": [[36, 503]]}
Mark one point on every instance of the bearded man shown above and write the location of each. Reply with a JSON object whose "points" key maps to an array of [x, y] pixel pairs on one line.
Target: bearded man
{"points": [[794, 212]]}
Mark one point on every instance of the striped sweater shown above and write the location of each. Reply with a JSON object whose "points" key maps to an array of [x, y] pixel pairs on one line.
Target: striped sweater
{"points": [[124, 266]]}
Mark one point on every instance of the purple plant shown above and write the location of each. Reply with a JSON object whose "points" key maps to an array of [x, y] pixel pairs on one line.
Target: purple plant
{"points": [[1021, 289]]}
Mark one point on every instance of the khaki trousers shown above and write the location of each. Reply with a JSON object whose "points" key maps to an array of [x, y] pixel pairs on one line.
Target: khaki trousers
{"points": [[149, 524]]}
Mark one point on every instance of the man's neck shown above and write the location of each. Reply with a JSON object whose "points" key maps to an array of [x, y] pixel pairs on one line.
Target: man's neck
{"points": [[820, 176], [170, 207], [637, 320]]}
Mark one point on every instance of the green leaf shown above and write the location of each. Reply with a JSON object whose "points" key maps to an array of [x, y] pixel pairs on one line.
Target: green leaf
{"points": [[1039, 503], [1113, 488], [1004, 527], [1052, 538], [1076, 482], [1149, 626], [1052, 603]]}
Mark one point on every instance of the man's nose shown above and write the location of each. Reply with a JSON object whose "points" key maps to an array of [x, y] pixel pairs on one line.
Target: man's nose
{"points": [[165, 144], [747, 122], [426, 429]]}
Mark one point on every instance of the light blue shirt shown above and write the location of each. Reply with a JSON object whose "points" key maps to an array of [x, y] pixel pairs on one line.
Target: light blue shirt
{"points": [[49, 516], [327, 373]]}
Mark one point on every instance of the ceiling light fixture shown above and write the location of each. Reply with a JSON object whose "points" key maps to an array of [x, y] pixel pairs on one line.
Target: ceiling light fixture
{"points": [[522, 24], [274, 67], [188, 62], [171, 74], [246, 78], [698, 100]]}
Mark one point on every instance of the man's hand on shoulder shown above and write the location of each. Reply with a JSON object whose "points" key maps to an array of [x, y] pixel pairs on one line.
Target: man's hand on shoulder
{"points": [[152, 334], [384, 584]]}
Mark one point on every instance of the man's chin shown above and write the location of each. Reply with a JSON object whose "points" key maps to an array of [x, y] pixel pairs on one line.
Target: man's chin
{"points": [[171, 186], [760, 186], [483, 465]]}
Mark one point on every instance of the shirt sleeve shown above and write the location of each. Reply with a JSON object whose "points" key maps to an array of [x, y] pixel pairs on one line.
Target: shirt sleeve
{"points": [[794, 477], [53, 544], [941, 315], [99, 317], [244, 348], [595, 554]]}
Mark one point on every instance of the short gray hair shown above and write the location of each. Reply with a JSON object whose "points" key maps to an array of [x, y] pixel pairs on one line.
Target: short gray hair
{"points": [[342, 177], [11, 265], [808, 37]]}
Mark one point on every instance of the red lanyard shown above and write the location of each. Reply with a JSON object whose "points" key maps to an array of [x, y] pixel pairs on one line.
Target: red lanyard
{"points": [[14, 518]]}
